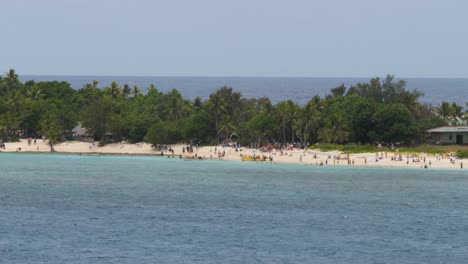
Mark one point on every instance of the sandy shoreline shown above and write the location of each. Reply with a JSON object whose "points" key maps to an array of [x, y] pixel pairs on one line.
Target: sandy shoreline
{"points": [[296, 156]]}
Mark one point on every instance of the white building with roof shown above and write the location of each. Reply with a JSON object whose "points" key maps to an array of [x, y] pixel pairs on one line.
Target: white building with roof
{"points": [[449, 135]]}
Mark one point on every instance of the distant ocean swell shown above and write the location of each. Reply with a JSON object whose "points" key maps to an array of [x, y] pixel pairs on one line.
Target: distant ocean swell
{"points": [[298, 89]]}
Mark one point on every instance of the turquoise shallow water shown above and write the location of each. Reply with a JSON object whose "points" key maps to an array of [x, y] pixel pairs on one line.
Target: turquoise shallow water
{"points": [[139, 209]]}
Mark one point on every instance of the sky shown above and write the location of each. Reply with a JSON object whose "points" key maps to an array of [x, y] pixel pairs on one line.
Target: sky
{"points": [[328, 38]]}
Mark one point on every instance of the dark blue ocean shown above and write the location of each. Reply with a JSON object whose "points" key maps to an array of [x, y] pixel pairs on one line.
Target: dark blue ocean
{"points": [[142, 209], [298, 89]]}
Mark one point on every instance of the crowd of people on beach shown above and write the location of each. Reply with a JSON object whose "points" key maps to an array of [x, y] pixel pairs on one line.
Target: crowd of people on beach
{"points": [[272, 153], [321, 159]]}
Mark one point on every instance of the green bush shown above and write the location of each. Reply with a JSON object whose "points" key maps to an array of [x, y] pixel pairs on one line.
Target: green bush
{"points": [[13, 139], [162, 133], [462, 154], [356, 148], [327, 147], [348, 148], [429, 149]]}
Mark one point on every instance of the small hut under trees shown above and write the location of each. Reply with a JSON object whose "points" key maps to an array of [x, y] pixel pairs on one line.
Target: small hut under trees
{"points": [[82, 134]]}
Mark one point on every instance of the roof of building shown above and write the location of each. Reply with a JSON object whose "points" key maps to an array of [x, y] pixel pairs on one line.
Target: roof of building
{"points": [[80, 131], [446, 129]]}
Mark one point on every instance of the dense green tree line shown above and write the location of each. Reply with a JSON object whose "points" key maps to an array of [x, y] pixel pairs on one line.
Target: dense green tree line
{"points": [[381, 110]]}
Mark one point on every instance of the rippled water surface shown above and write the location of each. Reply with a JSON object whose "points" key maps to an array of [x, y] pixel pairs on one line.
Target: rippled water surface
{"points": [[140, 209]]}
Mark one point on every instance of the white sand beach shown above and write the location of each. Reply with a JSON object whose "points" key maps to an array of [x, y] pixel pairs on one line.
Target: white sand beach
{"points": [[298, 156]]}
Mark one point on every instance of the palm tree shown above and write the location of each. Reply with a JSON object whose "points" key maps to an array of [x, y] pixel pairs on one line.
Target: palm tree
{"points": [[466, 114], [308, 121], [197, 104], [12, 80], [10, 119], [281, 111], [226, 126], [114, 90], [335, 129], [126, 91], [136, 91], [175, 103], [292, 111], [444, 111], [410, 99], [217, 105], [457, 113], [34, 92], [90, 91], [287, 113]]}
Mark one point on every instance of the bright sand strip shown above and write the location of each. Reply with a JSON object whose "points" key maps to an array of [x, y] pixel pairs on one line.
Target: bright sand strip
{"points": [[293, 156]]}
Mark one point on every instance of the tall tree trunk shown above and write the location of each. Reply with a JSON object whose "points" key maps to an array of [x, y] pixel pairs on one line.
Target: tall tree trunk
{"points": [[292, 132], [216, 124], [284, 133]]}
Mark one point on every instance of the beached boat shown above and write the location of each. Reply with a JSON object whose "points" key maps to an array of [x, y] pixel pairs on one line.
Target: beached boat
{"points": [[247, 158]]}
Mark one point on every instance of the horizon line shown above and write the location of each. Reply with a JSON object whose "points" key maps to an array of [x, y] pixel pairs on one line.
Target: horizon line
{"points": [[235, 76]]}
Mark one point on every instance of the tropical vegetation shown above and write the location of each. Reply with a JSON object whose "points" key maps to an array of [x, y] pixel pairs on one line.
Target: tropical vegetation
{"points": [[382, 110]]}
